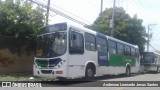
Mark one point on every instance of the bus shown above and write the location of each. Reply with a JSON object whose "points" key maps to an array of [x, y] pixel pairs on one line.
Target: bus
{"points": [[150, 61], [67, 51]]}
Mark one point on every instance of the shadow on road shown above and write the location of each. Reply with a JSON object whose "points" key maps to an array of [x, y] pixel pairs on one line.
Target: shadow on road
{"points": [[79, 82], [108, 77]]}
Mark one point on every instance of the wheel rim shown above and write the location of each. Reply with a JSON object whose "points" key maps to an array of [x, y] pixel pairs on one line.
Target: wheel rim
{"points": [[90, 73], [127, 71]]}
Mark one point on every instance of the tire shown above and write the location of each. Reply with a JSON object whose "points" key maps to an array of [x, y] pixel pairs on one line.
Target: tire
{"points": [[128, 71], [89, 73], [157, 69]]}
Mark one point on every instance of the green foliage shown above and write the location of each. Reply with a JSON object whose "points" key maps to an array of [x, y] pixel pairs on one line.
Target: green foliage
{"points": [[19, 19], [127, 28]]}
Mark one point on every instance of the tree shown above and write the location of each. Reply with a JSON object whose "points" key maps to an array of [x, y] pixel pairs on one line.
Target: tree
{"points": [[19, 19], [128, 29]]}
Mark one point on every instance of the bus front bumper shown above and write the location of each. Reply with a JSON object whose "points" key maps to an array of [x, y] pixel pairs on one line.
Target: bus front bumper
{"points": [[49, 73]]}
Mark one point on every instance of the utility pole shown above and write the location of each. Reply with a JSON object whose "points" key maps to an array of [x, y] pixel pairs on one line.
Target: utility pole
{"points": [[112, 20], [149, 36], [47, 14], [101, 9]]}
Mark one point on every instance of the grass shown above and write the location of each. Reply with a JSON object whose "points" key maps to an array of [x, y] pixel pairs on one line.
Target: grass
{"points": [[22, 77], [14, 78]]}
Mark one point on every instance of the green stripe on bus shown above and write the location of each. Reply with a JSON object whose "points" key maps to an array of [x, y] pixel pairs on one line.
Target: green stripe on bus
{"points": [[42, 63], [121, 60]]}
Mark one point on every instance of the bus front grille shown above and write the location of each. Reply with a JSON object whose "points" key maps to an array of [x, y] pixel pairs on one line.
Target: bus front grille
{"points": [[46, 71]]}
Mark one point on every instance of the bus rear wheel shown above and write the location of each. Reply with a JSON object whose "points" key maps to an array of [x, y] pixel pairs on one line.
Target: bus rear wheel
{"points": [[157, 69], [89, 73], [128, 71]]}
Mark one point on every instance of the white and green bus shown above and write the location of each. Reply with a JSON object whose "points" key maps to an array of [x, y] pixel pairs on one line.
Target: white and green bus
{"points": [[150, 61], [68, 51]]}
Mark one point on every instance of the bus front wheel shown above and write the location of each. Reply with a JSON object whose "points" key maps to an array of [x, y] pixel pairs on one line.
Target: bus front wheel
{"points": [[89, 73]]}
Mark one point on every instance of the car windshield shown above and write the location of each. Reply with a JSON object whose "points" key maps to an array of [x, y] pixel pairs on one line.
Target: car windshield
{"points": [[51, 45]]}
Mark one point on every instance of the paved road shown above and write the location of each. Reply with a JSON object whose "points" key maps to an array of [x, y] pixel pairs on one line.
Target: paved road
{"points": [[73, 85], [134, 77]]}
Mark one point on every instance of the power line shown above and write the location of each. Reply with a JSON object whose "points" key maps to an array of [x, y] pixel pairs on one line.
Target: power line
{"points": [[153, 47], [150, 16], [138, 8], [156, 36], [148, 40], [58, 12], [70, 13], [132, 8], [145, 12], [93, 4], [143, 9]]}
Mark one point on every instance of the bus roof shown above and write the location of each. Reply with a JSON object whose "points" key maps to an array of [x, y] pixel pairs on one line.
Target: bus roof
{"points": [[151, 52], [82, 28], [120, 41], [100, 34]]}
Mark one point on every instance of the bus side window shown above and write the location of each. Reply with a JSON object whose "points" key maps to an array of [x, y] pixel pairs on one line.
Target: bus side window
{"points": [[127, 50], [112, 47], [133, 52], [76, 43], [101, 44], [120, 48], [90, 42]]}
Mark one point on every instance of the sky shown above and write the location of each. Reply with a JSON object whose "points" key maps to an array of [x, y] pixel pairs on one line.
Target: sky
{"points": [[88, 10]]}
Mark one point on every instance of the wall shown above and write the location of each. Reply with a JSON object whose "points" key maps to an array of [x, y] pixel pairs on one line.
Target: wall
{"points": [[16, 55]]}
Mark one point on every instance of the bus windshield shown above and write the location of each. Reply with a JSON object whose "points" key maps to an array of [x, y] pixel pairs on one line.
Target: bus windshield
{"points": [[51, 44], [148, 58]]}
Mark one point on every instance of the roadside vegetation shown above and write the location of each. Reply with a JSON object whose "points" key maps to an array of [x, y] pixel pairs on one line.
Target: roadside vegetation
{"points": [[127, 28], [20, 19], [22, 77]]}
